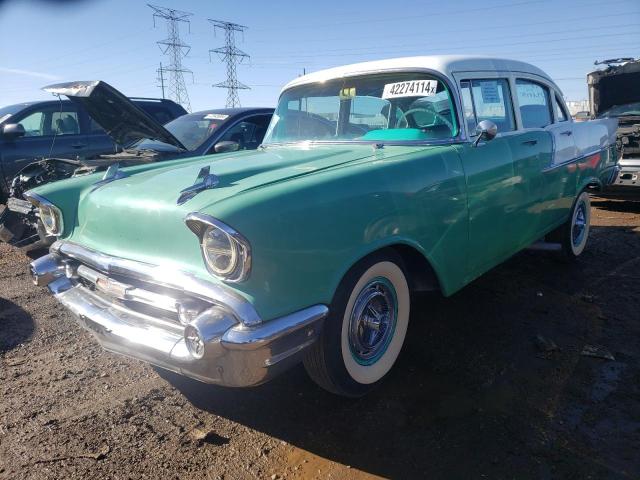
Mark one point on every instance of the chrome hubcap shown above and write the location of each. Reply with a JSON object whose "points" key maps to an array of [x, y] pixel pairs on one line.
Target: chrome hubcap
{"points": [[372, 321], [579, 225]]}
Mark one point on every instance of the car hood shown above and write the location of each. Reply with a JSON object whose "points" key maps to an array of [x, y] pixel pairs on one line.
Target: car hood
{"points": [[119, 116], [617, 85], [133, 216]]}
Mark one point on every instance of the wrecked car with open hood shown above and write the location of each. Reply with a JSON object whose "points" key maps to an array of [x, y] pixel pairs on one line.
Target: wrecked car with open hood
{"points": [[143, 140], [614, 92]]}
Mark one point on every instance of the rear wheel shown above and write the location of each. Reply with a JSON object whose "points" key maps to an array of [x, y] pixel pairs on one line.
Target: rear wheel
{"points": [[574, 233], [365, 329]]}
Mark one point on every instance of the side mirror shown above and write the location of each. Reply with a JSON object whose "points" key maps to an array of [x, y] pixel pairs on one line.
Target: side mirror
{"points": [[226, 146], [12, 131], [486, 130]]}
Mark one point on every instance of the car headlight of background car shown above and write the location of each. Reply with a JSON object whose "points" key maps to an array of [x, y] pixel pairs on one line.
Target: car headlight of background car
{"points": [[226, 253]]}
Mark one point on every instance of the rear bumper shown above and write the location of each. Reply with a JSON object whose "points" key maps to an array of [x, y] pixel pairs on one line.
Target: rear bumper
{"points": [[232, 353]]}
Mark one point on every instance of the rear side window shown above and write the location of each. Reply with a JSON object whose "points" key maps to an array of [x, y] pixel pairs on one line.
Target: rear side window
{"points": [[158, 112], [534, 103], [487, 99], [561, 114]]}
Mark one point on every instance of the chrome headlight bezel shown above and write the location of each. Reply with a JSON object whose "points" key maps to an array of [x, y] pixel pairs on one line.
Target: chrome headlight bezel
{"points": [[239, 247], [50, 215]]}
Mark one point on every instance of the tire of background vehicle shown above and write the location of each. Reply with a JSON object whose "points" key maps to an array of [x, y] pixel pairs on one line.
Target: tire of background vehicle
{"points": [[574, 233], [365, 329]]}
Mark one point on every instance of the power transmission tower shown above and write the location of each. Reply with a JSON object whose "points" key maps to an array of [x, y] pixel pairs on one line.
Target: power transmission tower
{"points": [[231, 55], [173, 47]]}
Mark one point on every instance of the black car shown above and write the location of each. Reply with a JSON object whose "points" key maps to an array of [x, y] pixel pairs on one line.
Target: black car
{"points": [[60, 129], [143, 140]]}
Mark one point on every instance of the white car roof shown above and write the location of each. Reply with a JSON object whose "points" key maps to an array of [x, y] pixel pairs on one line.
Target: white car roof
{"points": [[447, 65]]}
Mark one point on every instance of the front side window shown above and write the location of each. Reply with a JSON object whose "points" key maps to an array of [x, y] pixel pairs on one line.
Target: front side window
{"points": [[534, 102], [487, 99], [380, 107], [51, 121], [248, 134]]}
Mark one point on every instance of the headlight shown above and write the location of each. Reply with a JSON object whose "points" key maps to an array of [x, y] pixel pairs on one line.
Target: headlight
{"points": [[220, 251], [51, 219], [50, 215], [226, 253]]}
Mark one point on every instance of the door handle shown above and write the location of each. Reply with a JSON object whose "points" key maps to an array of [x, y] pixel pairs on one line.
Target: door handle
{"points": [[531, 143], [78, 145], [567, 133]]}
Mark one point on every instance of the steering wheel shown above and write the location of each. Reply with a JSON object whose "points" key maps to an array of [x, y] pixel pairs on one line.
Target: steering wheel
{"points": [[419, 109]]}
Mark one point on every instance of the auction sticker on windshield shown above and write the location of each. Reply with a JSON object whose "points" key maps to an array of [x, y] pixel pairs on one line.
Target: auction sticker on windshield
{"points": [[412, 88], [215, 116]]}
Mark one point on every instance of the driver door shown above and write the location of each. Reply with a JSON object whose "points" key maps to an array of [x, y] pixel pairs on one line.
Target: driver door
{"points": [[489, 172]]}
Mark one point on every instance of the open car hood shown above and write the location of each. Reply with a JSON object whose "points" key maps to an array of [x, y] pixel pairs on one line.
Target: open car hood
{"points": [[119, 116], [616, 85]]}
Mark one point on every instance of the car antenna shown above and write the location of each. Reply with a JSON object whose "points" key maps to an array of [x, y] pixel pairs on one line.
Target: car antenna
{"points": [[55, 133]]}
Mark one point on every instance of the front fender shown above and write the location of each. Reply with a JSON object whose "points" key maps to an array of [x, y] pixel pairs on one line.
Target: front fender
{"points": [[306, 233]]}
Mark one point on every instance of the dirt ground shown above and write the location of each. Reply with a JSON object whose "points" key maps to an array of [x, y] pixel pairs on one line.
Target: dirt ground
{"points": [[478, 392]]}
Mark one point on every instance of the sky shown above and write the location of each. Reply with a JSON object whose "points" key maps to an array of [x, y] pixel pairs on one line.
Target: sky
{"points": [[45, 42]]}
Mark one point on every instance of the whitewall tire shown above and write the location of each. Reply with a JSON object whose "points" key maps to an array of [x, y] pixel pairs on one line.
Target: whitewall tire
{"points": [[365, 329]]}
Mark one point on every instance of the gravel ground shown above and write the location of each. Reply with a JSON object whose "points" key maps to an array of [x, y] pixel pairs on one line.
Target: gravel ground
{"points": [[491, 384]]}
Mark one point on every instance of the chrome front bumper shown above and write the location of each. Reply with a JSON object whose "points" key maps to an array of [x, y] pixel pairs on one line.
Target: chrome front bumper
{"points": [[174, 320]]}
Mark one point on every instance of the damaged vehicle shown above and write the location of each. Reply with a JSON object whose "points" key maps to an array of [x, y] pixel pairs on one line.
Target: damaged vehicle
{"points": [[374, 180], [614, 92], [143, 140]]}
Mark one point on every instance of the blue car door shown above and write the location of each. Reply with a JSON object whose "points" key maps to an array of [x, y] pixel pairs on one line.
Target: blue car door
{"points": [[52, 130]]}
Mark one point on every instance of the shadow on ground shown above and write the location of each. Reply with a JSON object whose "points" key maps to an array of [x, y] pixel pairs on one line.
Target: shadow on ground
{"points": [[473, 392], [16, 325], [617, 205]]}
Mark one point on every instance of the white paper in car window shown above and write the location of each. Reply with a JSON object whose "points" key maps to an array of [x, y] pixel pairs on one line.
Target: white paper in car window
{"points": [[489, 91], [215, 116], [411, 88]]}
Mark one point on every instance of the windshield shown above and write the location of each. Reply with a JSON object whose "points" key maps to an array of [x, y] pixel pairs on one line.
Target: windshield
{"points": [[6, 112], [622, 110], [192, 130], [381, 107]]}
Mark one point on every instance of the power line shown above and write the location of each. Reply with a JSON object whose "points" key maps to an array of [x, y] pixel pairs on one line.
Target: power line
{"points": [[481, 28], [231, 56], [355, 52], [173, 47]]}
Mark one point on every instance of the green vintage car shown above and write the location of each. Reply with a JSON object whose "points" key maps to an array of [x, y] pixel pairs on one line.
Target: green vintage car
{"points": [[374, 180]]}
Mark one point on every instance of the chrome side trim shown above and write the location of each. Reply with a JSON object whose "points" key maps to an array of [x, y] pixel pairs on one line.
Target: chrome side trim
{"points": [[573, 160], [178, 280]]}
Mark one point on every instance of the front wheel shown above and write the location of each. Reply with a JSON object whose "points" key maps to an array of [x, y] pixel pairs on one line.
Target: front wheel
{"points": [[365, 329]]}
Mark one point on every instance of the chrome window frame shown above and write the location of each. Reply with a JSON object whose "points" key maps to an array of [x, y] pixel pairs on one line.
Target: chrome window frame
{"points": [[487, 76]]}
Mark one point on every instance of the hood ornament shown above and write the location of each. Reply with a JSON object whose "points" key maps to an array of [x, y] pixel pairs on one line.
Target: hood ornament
{"points": [[112, 173], [204, 181]]}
